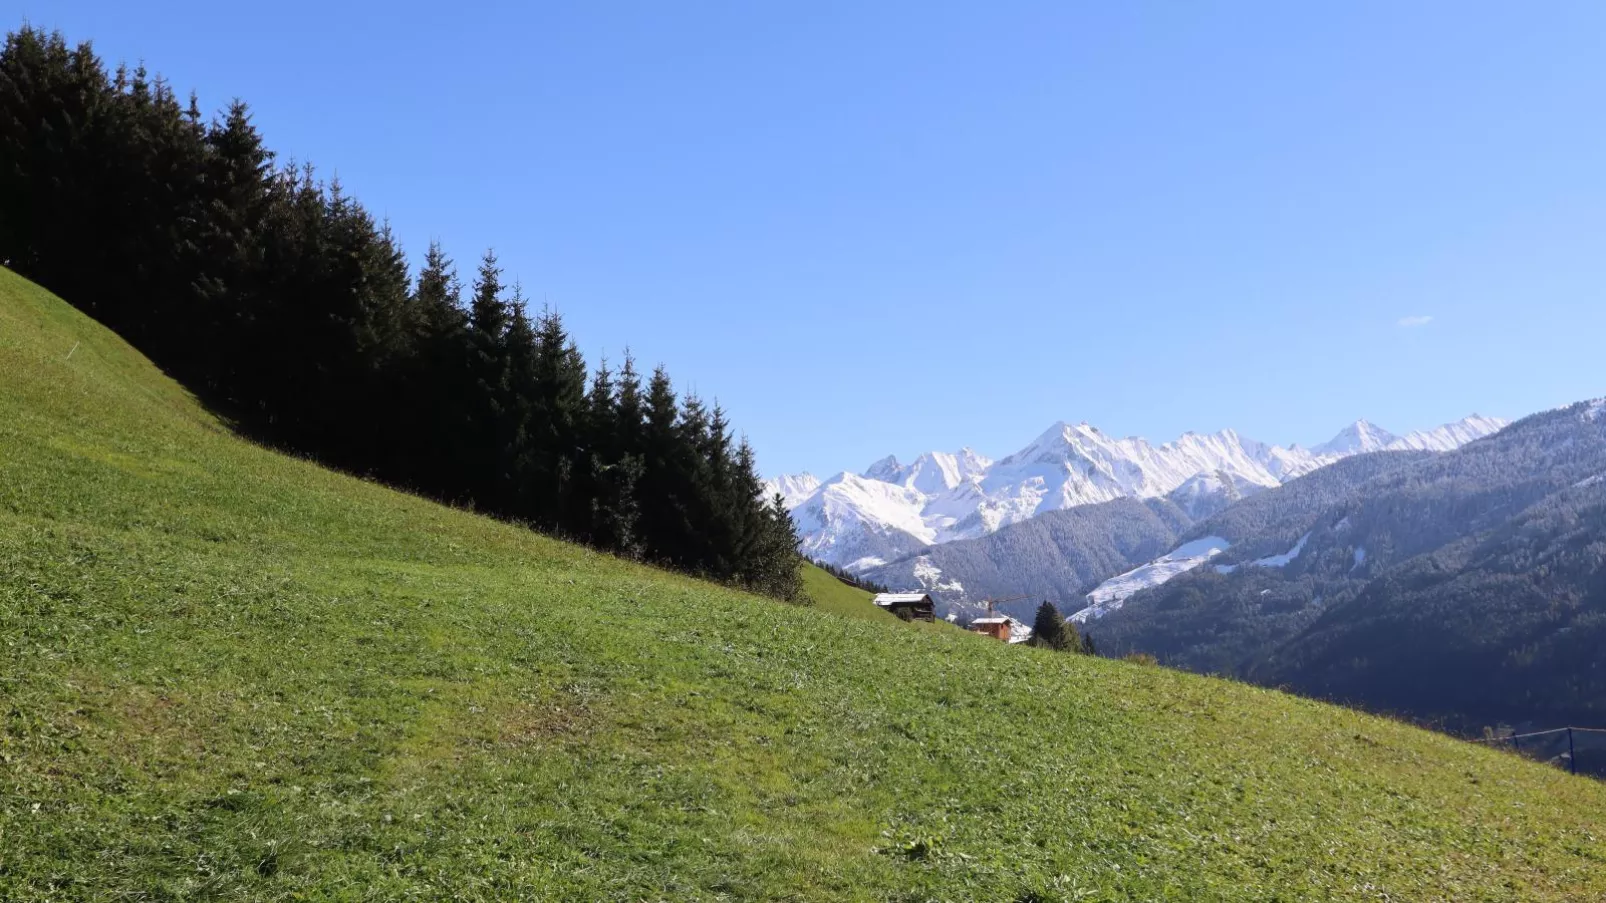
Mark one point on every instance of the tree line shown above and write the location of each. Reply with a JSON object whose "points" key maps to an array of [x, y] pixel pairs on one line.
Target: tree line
{"points": [[851, 579], [281, 302]]}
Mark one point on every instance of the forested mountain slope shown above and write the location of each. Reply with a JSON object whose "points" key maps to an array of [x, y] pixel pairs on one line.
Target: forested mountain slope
{"points": [[226, 673], [1466, 587], [1053, 556]]}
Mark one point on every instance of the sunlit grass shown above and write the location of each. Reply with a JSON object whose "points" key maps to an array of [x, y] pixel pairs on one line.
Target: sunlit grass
{"points": [[229, 674]]}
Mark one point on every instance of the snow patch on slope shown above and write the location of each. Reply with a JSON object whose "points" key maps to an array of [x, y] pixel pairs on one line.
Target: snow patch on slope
{"points": [[1277, 561], [1019, 632], [1270, 561], [930, 577], [1113, 593]]}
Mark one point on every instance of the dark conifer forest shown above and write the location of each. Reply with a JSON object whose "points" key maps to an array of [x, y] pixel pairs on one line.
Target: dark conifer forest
{"points": [[281, 303]]}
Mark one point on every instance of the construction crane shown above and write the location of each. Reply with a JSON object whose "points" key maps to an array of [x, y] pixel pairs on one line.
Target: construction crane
{"points": [[999, 628], [992, 602]]}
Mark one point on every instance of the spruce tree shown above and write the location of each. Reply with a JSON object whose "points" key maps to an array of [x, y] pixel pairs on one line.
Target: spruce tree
{"points": [[629, 418], [437, 299], [726, 515], [623, 466], [613, 470], [281, 302], [769, 561], [663, 521], [488, 391], [238, 175], [561, 494], [783, 577], [519, 413], [488, 313], [372, 427], [436, 379], [1049, 629], [693, 476]]}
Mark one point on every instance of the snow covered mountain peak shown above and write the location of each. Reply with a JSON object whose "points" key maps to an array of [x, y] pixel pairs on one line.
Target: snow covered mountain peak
{"points": [[1360, 437], [887, 469], [793, 489], [1050, 442], [932, 472], [894, 509], [1452, 435]]}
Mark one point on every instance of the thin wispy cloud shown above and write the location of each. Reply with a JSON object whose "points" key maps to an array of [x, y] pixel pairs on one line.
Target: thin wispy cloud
{"points": [[1413, 322]]}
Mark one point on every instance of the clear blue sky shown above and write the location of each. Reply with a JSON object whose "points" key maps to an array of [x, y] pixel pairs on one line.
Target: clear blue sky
{"points": [[926, 225]]}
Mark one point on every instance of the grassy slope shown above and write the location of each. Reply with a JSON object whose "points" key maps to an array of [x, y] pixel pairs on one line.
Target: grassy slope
{"points": [[831, 594], [226, 673]]}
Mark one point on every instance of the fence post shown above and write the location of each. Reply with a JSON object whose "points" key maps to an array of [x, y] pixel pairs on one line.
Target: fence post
{"points": [[1572, 755]]}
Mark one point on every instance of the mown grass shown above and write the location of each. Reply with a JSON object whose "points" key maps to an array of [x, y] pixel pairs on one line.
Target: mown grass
{"points": [[229, 674]]}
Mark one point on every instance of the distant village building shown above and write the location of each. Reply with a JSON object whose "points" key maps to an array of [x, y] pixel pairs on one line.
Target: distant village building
{"points": [[908, 606], [996, 627], [1002, 627]]}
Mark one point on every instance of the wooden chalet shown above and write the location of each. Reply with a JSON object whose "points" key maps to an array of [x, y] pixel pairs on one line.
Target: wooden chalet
{"points": [[908, 606], [1003, 628], [995, 626]]}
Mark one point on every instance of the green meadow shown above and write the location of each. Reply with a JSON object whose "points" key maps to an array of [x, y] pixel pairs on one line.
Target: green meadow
{"points": [[229, 674]]}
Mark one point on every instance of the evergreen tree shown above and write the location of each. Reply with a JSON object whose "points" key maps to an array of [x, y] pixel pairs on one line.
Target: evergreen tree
{"points": [[437, 300], [693, 478], [436, 378], [281, 302], [1050, 631], [614, 471], [663, 515], [620, 466], [629, 410], [519, 406], [237, 178], [560, 495], [727, 515], [488, 464], [488, 313], [776, 566]]}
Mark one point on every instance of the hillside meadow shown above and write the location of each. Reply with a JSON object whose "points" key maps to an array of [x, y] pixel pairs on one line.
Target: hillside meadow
{"points": [[226, 673]]}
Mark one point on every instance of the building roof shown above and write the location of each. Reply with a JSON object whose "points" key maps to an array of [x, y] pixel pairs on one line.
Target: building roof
{"points": [[999, 620], [885, 599]]}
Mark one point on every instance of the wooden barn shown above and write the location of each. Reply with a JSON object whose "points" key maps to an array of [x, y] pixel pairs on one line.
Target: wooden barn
{"points": [[995, 626], [908, 606]]}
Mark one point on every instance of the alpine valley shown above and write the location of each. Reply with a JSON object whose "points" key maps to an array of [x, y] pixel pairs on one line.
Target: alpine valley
{"points": [[1456, 575], [1467, 588], [898, 523]]}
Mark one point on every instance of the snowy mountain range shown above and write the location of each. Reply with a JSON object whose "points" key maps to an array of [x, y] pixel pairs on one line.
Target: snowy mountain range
{"points": [[891, 510], [1463, 587]]}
